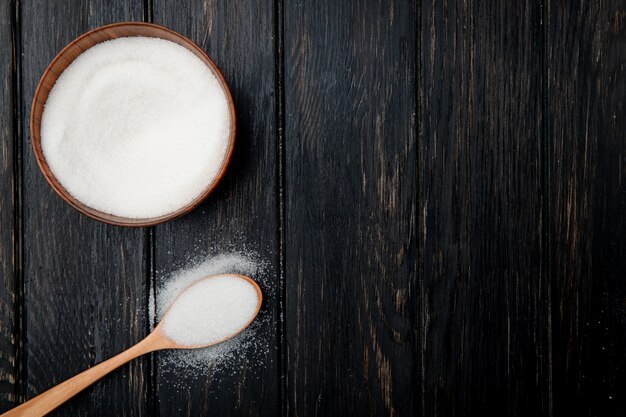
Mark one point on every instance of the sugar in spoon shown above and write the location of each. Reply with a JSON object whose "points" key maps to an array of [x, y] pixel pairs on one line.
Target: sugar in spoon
{"points": [[162, 337]]}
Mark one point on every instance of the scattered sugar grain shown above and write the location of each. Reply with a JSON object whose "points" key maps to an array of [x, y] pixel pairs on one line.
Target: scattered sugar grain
{"points": [[136, 127], [251, 346], [194, 268]]}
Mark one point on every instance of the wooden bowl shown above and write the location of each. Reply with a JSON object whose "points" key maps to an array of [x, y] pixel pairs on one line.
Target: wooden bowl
{"points": [[65, 58]]}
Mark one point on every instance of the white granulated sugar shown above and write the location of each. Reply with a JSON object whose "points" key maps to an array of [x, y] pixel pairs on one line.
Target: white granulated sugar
{"points": [[248, 350], [136, 127], [211, 310]]}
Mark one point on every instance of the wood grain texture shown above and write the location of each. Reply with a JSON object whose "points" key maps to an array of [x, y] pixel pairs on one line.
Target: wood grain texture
{"points": [[486, 294], [453, 204], [242, 211], [586, 47], [350, 229], [85, 294], [9, 261]]}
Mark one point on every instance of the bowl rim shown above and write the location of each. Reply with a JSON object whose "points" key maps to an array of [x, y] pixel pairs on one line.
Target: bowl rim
{"points": [[35, 134]]}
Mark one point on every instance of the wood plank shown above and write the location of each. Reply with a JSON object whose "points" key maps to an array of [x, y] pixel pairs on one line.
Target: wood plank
{"points": [[242, 211], [587, 101], [350, 208], [85, 287], [486, 290], [9, 207]]}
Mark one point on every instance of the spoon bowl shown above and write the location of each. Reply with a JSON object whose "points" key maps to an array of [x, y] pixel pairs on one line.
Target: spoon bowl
{"points": [[156, 340], [168, 343]]}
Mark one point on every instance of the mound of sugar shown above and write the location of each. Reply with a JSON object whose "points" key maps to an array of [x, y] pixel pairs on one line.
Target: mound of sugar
{"points": [[136, 127], [211, 310]]}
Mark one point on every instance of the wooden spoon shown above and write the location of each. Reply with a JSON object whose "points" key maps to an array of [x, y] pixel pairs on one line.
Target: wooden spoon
{"points": [[157, 340]]}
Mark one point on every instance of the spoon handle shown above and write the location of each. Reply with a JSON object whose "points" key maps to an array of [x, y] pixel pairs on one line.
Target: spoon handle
{"points": [[57, 395]]}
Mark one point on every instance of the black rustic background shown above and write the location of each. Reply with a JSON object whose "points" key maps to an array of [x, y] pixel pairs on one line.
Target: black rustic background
{"points": [[439, 188]]}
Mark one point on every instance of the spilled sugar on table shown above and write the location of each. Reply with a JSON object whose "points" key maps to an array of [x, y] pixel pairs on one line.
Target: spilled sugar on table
{"points": [[437, 186]]}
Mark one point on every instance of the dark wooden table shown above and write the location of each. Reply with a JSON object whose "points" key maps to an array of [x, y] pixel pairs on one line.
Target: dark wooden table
{"points": [[439, 187]]}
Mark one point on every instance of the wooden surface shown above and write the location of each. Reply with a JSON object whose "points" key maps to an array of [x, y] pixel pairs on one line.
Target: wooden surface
{"points": [[242, 212], [586, 90], [438, 189], [350, 170], [485, 288], [84, 282], [10, 241]]}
